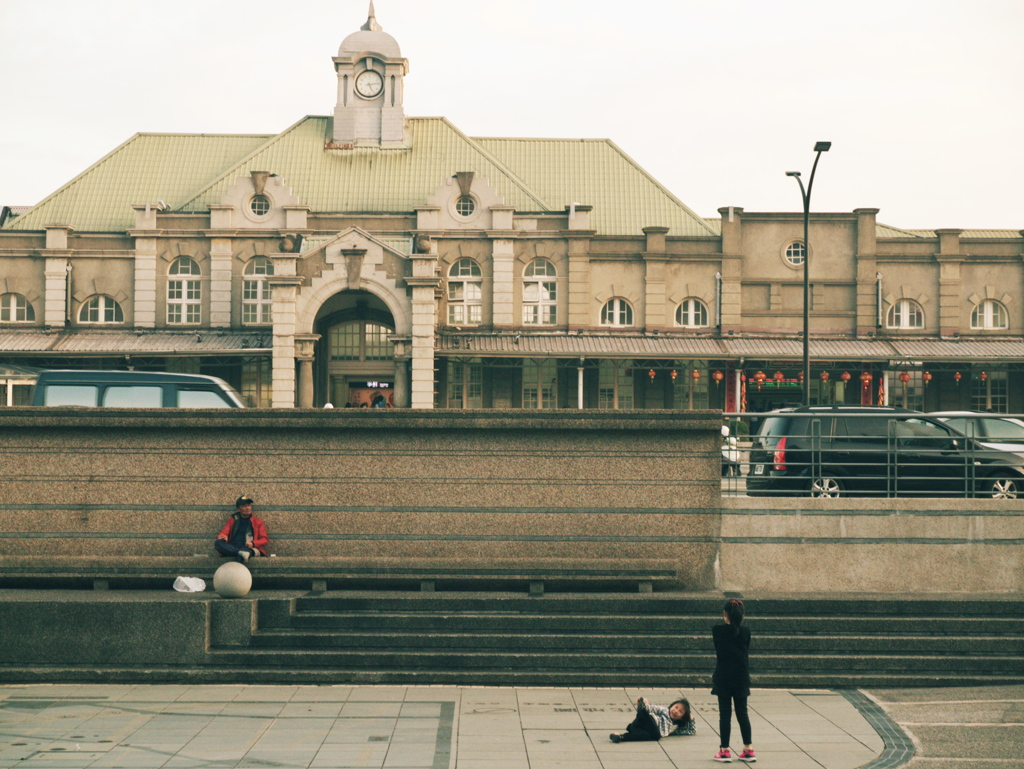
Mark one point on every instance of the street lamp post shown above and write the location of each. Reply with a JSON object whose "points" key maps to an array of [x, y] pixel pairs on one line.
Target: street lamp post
{"points": [[805, 194]]}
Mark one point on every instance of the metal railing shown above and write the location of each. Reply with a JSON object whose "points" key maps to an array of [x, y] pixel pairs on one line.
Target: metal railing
{"points": [[849, 452]]}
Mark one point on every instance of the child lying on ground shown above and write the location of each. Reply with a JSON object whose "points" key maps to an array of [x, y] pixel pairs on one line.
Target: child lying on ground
{"points": [[653, 722]]}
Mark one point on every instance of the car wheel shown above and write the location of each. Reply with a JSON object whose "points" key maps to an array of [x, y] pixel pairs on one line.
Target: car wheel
{"points": [[1002, 487], [826, 487]]}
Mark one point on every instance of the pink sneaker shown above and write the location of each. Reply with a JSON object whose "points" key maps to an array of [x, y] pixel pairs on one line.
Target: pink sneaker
{"points": [[748, 756], [723, 756]]}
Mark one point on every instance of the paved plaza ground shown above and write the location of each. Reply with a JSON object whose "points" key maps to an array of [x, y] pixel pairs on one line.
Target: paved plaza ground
{"points": [[388, 727]]}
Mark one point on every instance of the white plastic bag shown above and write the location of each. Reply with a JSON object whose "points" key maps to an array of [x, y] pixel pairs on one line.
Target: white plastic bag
{"points": [[189, 585]]}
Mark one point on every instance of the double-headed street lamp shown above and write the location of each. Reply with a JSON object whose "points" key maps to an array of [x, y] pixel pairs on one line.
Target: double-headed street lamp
{"points": [[819, 147]]}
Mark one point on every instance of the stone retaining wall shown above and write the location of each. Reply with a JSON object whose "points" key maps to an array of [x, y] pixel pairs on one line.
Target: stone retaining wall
{"points": [[452, 485]]}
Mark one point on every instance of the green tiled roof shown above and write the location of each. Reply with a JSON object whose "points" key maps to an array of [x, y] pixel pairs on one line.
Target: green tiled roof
{"points": [[191, 172], [596, 172], [368, 179], [145, 169]]}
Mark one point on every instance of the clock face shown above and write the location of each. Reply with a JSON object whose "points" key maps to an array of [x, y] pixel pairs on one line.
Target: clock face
{"points": [[369, 84]]}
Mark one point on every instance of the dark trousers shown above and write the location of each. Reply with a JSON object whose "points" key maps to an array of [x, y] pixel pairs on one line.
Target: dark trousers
{"points": [[725, 702], [643, 728], [226, 548]]}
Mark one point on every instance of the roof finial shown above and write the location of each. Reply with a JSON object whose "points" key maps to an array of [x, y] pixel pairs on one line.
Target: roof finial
{"points": [[371, 22]]}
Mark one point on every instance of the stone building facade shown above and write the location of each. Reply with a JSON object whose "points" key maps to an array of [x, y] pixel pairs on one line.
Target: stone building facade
{"points": [[370, 253]]}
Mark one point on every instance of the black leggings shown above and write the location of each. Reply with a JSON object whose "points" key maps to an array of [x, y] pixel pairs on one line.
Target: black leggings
{"points": [[725, 718], [643, 728]]}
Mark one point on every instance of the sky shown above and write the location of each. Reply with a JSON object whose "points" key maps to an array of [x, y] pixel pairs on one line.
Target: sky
{"points": [[923, 100]]}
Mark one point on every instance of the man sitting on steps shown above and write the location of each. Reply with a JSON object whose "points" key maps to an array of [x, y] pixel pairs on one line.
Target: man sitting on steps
{"points": [[244, 535]]}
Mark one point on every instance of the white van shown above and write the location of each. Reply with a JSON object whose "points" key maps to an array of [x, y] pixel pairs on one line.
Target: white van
{"points": [[133, 390]]}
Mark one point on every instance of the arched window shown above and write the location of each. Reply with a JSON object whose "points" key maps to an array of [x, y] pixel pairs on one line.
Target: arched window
{"points": [[184, 296], [256, 299], [692, 313], [14, 308], [100, 309], [796, 253], [465, 294], [989, 314], [905, 313], [540, 294], [617, 312]]}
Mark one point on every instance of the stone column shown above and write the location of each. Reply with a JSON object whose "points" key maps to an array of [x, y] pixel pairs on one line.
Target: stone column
{"points": [[401, 371], [284, 288], [305, 353]]}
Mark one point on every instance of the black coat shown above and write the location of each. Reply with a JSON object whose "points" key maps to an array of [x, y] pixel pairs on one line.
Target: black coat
{"points": [[732, 670]]}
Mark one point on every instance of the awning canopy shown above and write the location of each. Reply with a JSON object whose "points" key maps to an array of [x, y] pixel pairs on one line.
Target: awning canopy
{"points": [[677, 347], [107, 343]]}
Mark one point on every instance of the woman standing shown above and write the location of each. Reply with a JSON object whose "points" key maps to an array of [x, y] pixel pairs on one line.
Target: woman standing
{"points": [[731, 681]]}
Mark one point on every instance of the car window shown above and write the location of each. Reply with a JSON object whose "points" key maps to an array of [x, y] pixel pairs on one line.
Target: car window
{"points": [[923, 434], [961, 424], [134, 396], [1003, 428], [855, 426], [70, 395], [202, 399]]}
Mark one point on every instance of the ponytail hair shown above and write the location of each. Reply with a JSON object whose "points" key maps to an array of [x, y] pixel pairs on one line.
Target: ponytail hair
{"points": [[734, 610]]}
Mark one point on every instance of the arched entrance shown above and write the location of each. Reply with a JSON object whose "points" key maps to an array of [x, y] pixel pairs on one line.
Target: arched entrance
{"points": [[355, 357]]}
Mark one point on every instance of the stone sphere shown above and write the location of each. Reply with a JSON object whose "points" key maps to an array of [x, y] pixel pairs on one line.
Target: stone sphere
{"points": [[232, 580]]}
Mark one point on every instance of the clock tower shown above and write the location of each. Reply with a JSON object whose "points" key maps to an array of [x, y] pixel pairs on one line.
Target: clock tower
{"points": [[370, 71]]}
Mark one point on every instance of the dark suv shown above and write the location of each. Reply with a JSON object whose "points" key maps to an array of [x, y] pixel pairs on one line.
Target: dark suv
{"points": [[834, 451]]}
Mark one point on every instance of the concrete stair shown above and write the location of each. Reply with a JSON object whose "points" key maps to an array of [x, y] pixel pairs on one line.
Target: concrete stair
{"points": [[663, 639]]}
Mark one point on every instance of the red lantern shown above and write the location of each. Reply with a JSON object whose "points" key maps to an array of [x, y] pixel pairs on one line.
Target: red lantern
{"points": [[824, 376], [927, 377], [958, 376], [759, 378], [695, 376], [718, 376], [778, 377], [800, 377], [866, 378], [983, 376], [673, 373], [651, 374], [904, 377], [743, 376], [845, 376]]}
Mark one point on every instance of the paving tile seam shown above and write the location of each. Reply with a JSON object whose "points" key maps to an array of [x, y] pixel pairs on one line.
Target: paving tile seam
{"points": [[899, 746]]}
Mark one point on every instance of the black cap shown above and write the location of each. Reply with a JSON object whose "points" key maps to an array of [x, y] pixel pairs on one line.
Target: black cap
{"points": [[243, 500]]}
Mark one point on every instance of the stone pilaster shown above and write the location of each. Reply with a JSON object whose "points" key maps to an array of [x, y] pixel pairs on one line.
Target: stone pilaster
{"points": [[423, 282], [56, 296], [654, 279], [220, 283], [950, 260], [285, 288], [502, 285], [732, 268], [867, 266]]}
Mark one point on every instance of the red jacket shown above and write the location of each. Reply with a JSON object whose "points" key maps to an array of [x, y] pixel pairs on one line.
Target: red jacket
{"points": [[259, 532]]}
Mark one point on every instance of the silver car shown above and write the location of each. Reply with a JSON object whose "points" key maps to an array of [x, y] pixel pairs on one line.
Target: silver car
{"points": [[990, 430]]}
